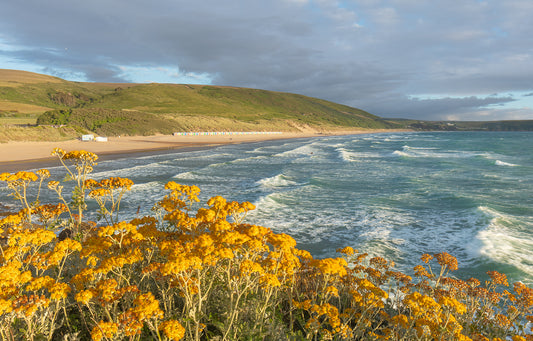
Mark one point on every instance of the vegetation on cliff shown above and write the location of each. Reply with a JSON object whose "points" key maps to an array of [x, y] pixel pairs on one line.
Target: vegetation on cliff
{"points": [[126, 109]]}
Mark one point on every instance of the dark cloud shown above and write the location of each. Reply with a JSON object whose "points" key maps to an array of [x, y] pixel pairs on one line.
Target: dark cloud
{"points": [[382, 56], [449, 108]]}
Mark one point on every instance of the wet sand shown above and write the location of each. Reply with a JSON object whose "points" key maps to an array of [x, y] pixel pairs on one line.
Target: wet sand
{"points": [[15, 156]]}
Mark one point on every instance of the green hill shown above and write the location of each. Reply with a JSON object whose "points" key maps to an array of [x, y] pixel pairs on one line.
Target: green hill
{"points": [[122, 109], [509, 125]]}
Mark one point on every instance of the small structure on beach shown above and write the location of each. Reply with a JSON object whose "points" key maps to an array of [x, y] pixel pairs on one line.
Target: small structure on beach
{"points": [[87, 138], [215, 133], [101, 139]]}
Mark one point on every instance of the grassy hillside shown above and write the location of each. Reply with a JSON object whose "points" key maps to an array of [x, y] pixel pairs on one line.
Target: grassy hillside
{"points": [[115, 109]]}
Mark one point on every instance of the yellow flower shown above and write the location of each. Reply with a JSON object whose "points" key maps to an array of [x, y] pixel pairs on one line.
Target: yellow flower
{"points": [[53, 185], [107, 288], [498, 278], [420, 305], [58, 151], [99, 192], [270, 280], [204, 242], [332, 291], [39, 283], [48, 211], [248, 206], [206, 215], [217, 202], [85, 296], [281, 241], [426, 258], [12, 276], [106, 231], [104, 329], [147, 307], [331, 266], [453, 304], [524, 294], [35, 237], [421, 271], [172, 329], [59, 291], [43, 173], [400, 320], [220, 225], [24, 176], [303, 254], [11, 220], [28, 305], [5, 306], [62, 250], [4, 176], [224, 253], [348, 251], [248, 267], [82, 155], [130, 324], [445, 259]]}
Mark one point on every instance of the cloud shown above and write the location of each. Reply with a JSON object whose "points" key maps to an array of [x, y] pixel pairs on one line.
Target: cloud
{"points": [[379, 55], [446, 108]]}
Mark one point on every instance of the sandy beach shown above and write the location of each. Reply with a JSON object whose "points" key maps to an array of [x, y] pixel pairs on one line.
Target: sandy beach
{"points": [[16, 156]]}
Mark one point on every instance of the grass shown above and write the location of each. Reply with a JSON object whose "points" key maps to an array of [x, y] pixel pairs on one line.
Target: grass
{"points": [[14, 78], [18, 119], [38, 133], [161, 108], [23, 108]]}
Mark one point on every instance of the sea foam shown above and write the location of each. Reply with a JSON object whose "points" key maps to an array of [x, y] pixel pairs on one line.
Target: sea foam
{"points": [[501, 163], [276, 181]]}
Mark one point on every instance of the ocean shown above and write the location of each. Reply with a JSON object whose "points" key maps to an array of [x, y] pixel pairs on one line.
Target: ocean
{"points": [[395, 195]]}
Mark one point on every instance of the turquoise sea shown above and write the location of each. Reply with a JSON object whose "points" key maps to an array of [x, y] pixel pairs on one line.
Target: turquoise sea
{"points": [[397, 195]]}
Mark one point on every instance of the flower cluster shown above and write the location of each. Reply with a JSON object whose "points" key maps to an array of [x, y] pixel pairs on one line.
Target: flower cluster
{"points": [[205, 274]]}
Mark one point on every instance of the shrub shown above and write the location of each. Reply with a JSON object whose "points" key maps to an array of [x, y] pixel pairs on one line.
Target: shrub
{"points": [[204, 273]]}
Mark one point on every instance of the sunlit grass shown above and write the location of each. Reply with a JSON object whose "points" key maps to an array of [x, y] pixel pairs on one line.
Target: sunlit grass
{"points": [[10, 132]]}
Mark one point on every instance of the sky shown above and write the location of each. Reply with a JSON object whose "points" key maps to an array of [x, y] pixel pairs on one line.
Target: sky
{"points": [[418, 59]]}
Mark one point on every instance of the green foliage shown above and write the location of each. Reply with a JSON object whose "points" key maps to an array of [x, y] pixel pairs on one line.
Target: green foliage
{"points": [[109, 122], [55, 117], [51, 95]]}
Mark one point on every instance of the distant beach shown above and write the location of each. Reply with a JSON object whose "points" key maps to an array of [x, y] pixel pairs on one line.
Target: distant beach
{"points": [[16, 156]]}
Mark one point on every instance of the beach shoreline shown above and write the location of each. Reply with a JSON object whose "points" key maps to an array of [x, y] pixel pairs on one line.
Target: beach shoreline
{"points": [[16, 156]]}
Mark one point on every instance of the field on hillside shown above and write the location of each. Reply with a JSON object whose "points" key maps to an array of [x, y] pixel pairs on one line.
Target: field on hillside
{"points": [[147, 109]]}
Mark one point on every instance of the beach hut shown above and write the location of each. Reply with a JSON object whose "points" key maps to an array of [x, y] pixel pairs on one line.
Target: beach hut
{"points": [[87, 138], [101, 139]]}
